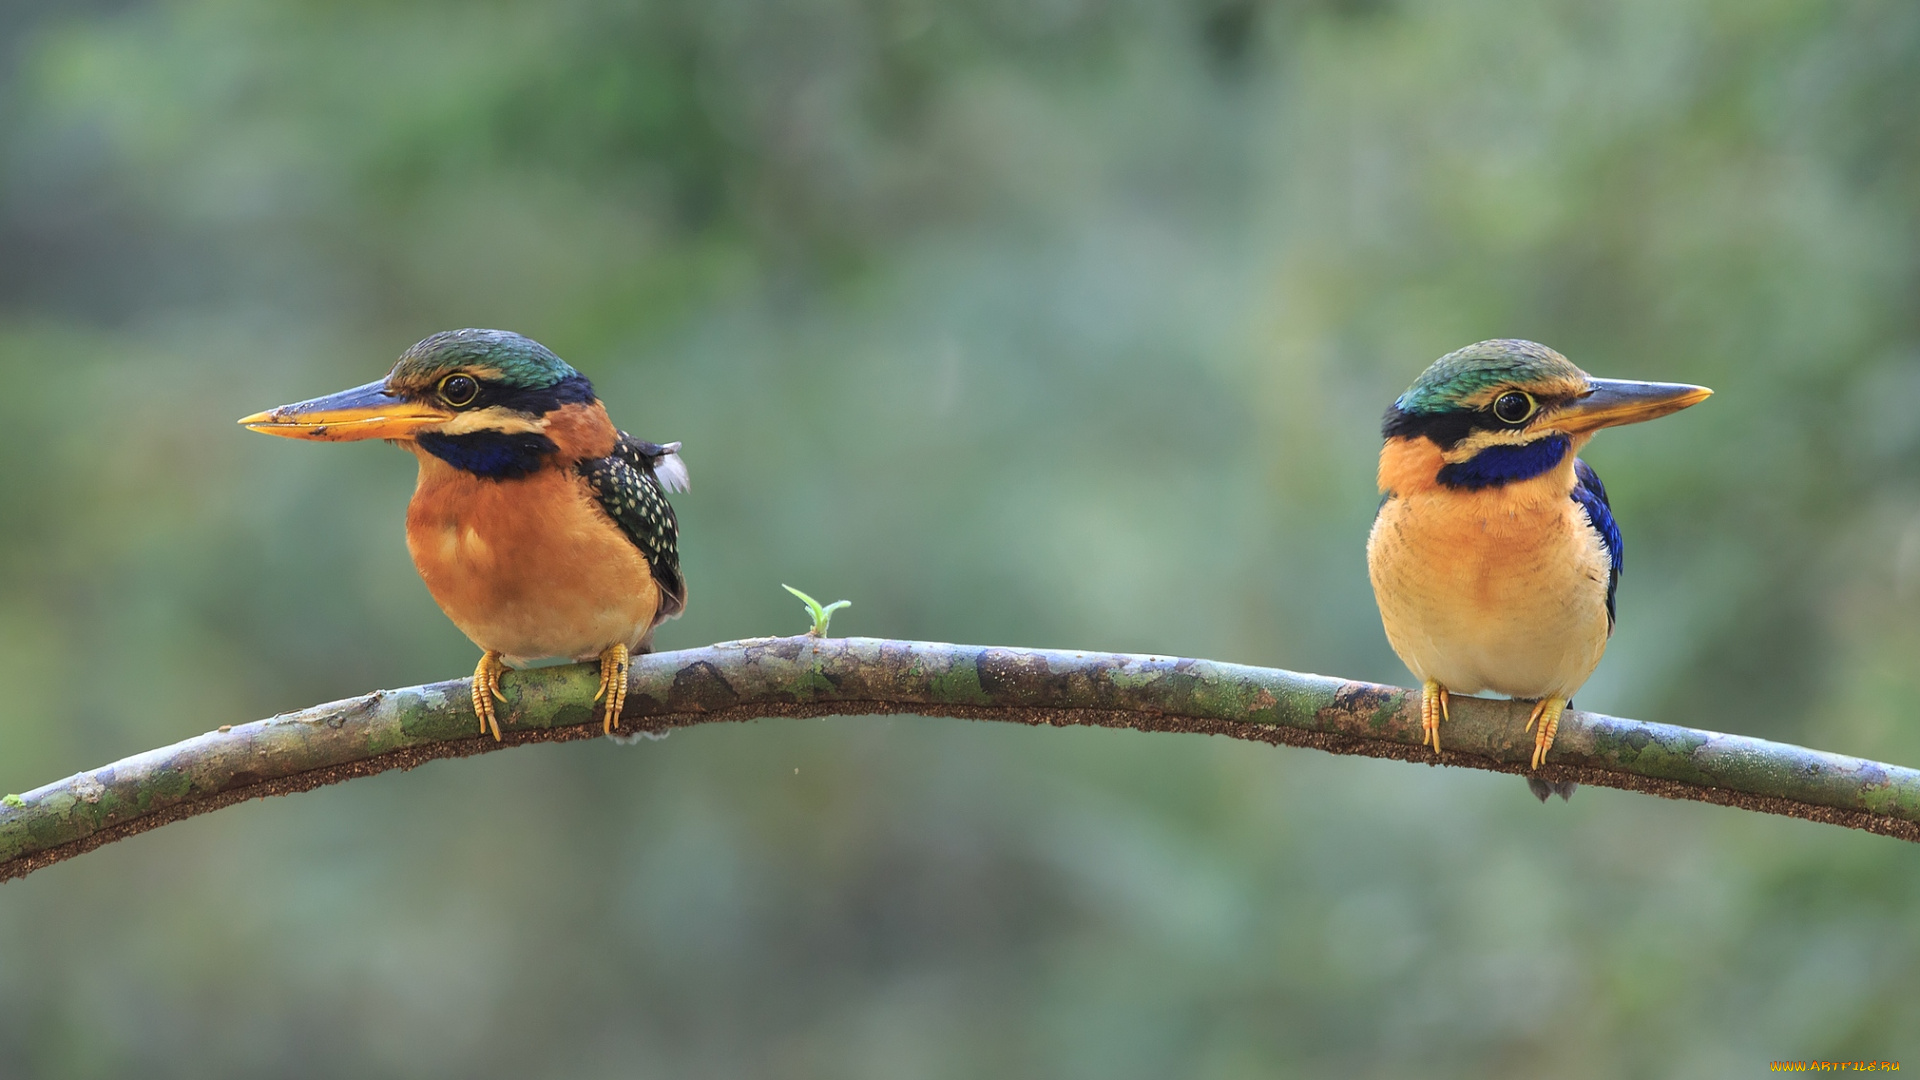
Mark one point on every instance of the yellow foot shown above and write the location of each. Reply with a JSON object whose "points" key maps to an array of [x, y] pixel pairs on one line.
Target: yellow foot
{"points": [[486, 689], [1433, 709], [615, 662], [1547, 711]]}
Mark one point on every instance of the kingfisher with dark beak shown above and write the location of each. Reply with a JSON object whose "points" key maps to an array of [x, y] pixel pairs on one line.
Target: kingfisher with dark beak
{"points": [[542, 530], [1495, 556]]}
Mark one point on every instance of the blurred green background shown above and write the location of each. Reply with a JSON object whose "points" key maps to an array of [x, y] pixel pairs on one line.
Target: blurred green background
{"points": [[1038, 322]]}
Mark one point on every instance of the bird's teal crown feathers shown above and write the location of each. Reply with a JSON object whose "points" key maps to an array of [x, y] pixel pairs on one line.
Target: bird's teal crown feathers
{"points": [[505, 357], [1454, 379]]}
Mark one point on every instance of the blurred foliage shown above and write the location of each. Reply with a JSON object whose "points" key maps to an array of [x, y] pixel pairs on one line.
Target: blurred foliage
{"points": [[1104, 299]]}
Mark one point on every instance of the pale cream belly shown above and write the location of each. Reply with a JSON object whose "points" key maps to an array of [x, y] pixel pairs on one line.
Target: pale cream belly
{"points": [[558, 581], [1514, 604]]}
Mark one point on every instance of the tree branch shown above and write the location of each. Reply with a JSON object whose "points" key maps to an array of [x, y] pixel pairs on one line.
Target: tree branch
{"points": [[806, 676]]}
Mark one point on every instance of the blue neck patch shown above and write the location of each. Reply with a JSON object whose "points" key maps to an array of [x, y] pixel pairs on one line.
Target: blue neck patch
{"points": [[496, 455], [1505, 463]]}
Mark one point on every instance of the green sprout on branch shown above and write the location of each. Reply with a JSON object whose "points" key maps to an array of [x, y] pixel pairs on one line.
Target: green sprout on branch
{"points": [[821, 615]]}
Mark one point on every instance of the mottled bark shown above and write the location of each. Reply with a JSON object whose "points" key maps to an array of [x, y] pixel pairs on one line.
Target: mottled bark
{"points": [[806, 676]]}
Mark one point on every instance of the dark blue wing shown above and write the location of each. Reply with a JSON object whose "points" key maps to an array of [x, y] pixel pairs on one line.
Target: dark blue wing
{"points": [[1591, 494]]}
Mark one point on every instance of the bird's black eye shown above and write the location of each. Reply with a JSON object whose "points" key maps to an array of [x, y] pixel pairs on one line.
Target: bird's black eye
{"points": [[1513, 407], [458, 390]]}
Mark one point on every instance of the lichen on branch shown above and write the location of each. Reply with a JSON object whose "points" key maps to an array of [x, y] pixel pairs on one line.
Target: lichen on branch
{"points": [[817, 676]]}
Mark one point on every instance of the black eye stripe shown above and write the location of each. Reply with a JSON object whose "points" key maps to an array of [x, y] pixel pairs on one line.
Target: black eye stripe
{"points": [[538, 401], [1447, 427]]}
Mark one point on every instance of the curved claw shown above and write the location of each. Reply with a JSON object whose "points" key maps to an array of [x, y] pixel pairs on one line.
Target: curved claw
{"points": [[1548, 712], [1433, 709], [486, 690], [615, 663]]}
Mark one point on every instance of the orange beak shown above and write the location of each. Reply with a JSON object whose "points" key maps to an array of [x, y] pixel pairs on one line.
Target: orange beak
{"points": [[1612, 402], [364, 412]]}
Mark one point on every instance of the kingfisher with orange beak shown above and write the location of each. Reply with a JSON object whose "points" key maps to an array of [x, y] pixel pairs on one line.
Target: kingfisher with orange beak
{"points": [[1495, 557], [542, 530]]}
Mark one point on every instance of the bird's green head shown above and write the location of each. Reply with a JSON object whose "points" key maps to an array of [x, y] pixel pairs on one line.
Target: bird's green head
{"points": [[500, 361], [1466, 380], [478, 399], [1507, 410]]}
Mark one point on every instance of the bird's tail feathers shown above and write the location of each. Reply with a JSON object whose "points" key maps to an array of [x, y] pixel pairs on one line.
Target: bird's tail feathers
{"points": [[1543, 789]]}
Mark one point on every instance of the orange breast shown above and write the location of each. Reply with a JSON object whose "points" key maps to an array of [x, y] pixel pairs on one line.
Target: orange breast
{"points": [[531, 567], [1502, 589]]}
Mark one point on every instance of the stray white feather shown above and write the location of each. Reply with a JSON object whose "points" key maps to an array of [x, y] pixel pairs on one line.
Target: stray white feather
{"points": [[670, 469]]}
